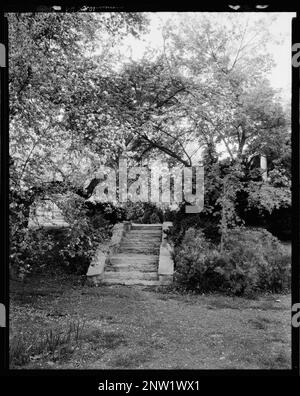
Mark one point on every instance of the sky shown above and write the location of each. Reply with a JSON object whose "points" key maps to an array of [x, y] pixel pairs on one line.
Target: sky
{"points": [[281, 74]]}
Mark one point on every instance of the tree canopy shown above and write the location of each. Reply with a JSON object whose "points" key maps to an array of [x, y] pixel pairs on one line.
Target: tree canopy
{"points": [[75, 103]]}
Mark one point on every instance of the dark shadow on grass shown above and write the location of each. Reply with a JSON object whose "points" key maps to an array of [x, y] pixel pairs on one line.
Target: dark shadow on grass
{"points": [[131, 360], [270, 306], [107, 340], [280, 360], [260, 323], [223, 304]]}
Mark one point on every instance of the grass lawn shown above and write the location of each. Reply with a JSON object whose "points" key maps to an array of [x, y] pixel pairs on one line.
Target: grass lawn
{"points": [[59, 323]]}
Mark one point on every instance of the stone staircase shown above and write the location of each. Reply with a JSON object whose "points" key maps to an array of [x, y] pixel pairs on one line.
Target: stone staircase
{"points": [[137, 259]]}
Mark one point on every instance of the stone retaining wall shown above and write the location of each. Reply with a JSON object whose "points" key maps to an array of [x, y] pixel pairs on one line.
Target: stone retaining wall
{"points": [[165, 264], [102, 258]]}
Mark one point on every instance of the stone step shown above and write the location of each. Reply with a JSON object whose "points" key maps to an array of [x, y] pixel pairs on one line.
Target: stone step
{"points": [[139, 282], [137, 259], [132, 251], [128, 264], [145, 234], [132, 267], [136, 263], [146, 227], [141, 238], [133, 275], [135, 250], [146, 231], [139, 235], [134, 258], [139, 244]]}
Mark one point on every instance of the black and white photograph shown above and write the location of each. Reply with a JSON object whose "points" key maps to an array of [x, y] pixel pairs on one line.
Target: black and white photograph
{"points": [[150, 201]]}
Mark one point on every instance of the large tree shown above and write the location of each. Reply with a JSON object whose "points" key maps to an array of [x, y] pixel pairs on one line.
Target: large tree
{"points": [[52, 67], [225, 62]]}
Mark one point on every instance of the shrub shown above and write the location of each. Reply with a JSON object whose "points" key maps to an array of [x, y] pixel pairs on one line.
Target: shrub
{"points": [[151, 210], [108, 211], [143, 212], [133, 210], [154, 219], [69, 249], [193, 262], [252, 260], [30, 250], [83, 235], [261, 256], [170, 214], [279, 223], [182, 221]]}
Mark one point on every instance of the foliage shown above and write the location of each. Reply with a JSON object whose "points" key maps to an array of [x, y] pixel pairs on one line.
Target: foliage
{"points": [[182, 222], [55, 344], [267, 198], [83, 235], [143, 212], [154, 219], [70, 248], [161, 103], [235, 194], [268, 205], [191, 91], [251, 261], [35, 251], [27, 248], [224, 62], [151, 211], [261, 257], [191, 261], [53, 75], [227, 200], [279, 223], [105, 212], [134, 210], [52, 69], [76, 105]]}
